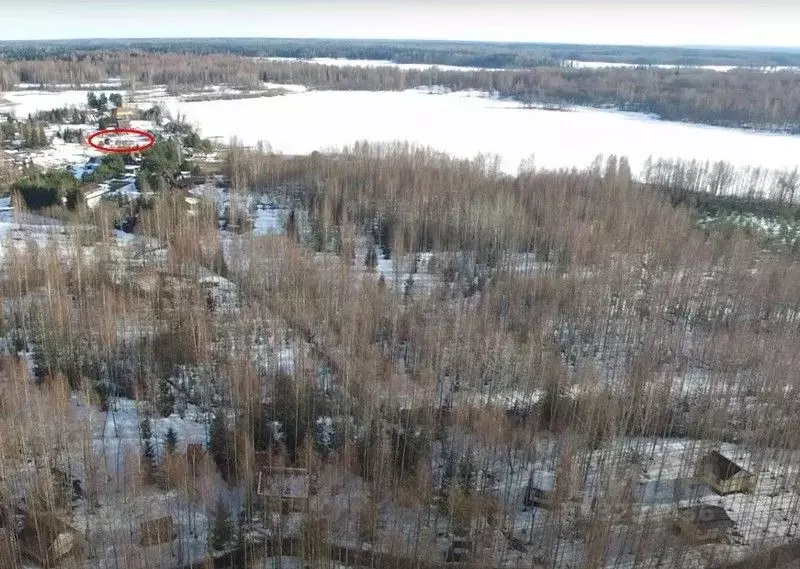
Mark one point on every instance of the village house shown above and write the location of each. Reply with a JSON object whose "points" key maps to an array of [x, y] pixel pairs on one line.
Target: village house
{"points": [[289, 487], [725, 476], [49, 540], [539, 491], [157, 531], [704, 523], [121, 117]]}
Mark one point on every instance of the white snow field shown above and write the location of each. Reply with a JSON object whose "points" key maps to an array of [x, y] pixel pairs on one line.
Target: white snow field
{"points": [[342, 62], [467, 123], [29, 101], [461, 123]]}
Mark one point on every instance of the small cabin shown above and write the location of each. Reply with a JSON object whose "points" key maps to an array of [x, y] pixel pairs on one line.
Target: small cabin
{"points": [[289, 486], [725, 476], [459, 550], [157, 531], [121, 117], [539, 491], [704, 523], [49, 540]]}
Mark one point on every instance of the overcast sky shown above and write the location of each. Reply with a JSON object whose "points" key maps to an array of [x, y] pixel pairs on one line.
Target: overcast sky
{"points": [[678, 23]]}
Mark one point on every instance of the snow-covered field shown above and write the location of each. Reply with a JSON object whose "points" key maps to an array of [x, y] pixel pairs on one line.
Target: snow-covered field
{"points": [[462, 123], [29, 101], [466, 124]]}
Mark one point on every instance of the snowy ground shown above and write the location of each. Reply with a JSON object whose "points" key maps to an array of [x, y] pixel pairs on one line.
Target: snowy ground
{"points": [[463, 123], [467, 125], [342, 62], [29, 101]]}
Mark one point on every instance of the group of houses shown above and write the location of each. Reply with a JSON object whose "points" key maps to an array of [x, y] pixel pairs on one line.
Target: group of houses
{"points": [[49, 539], [698, 523]]}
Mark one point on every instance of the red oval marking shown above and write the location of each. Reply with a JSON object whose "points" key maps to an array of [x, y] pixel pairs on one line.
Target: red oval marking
{"points": [[151, 140]]}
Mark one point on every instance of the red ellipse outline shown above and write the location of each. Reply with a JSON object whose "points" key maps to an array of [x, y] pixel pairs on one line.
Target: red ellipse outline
{"points": [[127, 149]]}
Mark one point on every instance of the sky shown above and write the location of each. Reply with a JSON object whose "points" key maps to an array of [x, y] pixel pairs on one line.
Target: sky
{"points": [[773, 23]]}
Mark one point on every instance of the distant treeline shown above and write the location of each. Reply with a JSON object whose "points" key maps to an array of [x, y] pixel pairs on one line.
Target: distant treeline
{"points": [[740, 98], [683, 178], [441, 52]]}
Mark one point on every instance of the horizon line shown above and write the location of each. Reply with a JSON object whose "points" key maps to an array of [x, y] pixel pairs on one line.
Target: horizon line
{"points": [[425, 40]]}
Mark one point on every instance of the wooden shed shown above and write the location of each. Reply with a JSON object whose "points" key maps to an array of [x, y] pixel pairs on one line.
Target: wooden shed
{"points": [[725, 476], [539, 491], [157, 531], [290, 486], [49, 540], [704, 523], [122, 116]]}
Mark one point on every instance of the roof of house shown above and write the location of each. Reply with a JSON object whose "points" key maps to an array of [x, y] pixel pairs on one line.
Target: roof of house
{"points": [[284, 483], [48, 538], [706, 515], [723, 467]]}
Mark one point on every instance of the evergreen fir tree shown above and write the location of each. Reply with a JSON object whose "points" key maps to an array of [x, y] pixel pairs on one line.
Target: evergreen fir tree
{"points": [[166, 398], [219, 443], [145, 430], [149, 452], [171, 440], [222, 528], [91, 100], [40, 366], [146, 433], [41, 137], [371, 260]]}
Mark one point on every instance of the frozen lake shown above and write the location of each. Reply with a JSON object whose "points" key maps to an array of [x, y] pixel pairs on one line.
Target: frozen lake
{"points": [[721, 68], [464, 124], [467, 124]]}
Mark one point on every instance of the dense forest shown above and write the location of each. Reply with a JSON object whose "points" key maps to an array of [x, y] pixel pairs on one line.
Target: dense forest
{"points": [[570, 324], [382, 356], [741, 98], [475, 54]]}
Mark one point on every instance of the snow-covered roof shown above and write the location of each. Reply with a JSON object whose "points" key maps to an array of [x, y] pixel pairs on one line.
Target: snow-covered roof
{"points": [[284, 483]]}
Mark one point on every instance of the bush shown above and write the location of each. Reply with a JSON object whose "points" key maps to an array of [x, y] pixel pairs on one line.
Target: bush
{"points": [[44, 189]]}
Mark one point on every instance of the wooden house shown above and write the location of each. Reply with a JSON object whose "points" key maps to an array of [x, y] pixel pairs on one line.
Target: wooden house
{"points": [[539, 491], [290, 487], [121, 117], [704, 523], [725, 476], [157, 531], [459, 550], [49, 540]]}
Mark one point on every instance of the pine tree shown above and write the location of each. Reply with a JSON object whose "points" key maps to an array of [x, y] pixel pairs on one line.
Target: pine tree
{"points": [[146, 432], [41, 137], [149, 452], [171, 440], [40, 365], [91, 100], [291, 227], [25, 133], [166, 398], [219, 443], [371, 260], [222, 528]]}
